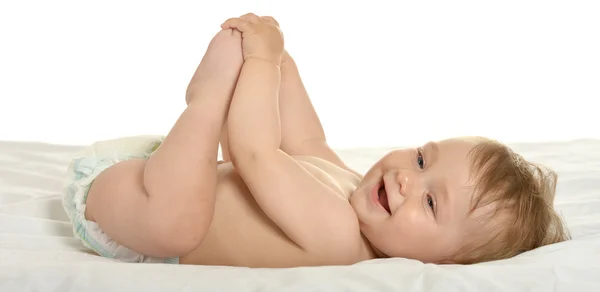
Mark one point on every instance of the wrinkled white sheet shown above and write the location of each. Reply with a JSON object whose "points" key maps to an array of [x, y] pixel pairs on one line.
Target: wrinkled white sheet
{"points": [[38, 252]]}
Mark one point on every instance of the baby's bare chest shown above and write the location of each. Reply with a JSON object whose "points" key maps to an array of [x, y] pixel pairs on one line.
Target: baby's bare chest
{"points": [[242, 235]]}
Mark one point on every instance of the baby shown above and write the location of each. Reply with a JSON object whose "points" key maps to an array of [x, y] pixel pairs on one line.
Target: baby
{"points": [[281, 197]]}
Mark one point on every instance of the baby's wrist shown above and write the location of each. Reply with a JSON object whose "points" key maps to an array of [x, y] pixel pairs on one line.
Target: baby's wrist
{"points": [[273, 61]]}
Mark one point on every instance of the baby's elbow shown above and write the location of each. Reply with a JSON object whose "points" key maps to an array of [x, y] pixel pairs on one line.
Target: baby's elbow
{"points": [[249, 157], [241, 158]]}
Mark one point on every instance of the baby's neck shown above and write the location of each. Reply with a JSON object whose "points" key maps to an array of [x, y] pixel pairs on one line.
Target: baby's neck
{"points": [[372, 251]]}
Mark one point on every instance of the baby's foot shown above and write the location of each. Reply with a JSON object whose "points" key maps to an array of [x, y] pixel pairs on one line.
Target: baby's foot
{"points": [[220, 67]]}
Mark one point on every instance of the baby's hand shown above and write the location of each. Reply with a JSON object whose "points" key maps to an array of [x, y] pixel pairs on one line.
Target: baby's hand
{"points": [[261, 37]]}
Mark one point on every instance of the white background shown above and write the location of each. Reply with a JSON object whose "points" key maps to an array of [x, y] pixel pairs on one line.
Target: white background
{"points": [[380, 73]]}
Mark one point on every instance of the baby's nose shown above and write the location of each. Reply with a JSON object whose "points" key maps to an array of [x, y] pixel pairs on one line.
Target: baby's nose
{"points": [[407, 180]]}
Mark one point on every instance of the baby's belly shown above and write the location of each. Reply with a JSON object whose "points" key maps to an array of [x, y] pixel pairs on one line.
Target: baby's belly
{"points": [[241, 234]]}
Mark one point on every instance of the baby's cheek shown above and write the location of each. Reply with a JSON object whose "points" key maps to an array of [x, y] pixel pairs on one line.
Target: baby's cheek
{"points": [[413, 225], [409, 214]]}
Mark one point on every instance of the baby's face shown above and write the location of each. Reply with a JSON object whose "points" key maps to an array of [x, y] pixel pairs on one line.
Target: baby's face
{"points": [[414, 203]]}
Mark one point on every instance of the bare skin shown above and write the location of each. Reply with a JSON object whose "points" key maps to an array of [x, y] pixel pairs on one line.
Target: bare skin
{"points": [[221, 212], [168, 200], [281, 197]]}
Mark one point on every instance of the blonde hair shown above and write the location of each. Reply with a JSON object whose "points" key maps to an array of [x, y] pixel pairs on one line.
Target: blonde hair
{"points": [[521, 195]]}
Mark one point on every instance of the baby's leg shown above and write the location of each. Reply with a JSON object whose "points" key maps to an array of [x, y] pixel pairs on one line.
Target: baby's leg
{"points": [[163, 206], [202, 79]]}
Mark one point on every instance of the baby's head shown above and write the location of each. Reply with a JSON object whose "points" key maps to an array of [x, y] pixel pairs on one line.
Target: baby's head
{"points": [[461, 200]]}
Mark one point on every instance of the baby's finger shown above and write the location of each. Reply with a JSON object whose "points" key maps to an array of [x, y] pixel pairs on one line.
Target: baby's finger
{"points": [[227, 23], [236, 23], [270, 20], [251, 17]]}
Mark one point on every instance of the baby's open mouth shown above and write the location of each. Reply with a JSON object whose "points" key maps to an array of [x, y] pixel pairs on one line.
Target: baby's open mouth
{"points": [[383, 199]]}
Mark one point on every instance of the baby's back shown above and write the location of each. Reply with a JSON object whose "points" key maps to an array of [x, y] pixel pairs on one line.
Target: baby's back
{"points": [[241, 234]]}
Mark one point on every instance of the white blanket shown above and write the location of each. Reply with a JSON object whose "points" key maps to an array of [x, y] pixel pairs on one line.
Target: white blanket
{"points": [[39, 253]]}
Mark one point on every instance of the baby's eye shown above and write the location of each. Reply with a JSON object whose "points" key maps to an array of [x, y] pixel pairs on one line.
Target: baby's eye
{"points": [[420, 160], [431, 203]]}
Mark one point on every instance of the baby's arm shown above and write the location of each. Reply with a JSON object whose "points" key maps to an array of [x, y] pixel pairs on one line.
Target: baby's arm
{"points": [[289, 195], [301, 129], [285, 191]]}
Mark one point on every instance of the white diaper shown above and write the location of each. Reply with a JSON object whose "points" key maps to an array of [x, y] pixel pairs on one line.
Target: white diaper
{"points": [[83, 169]]}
